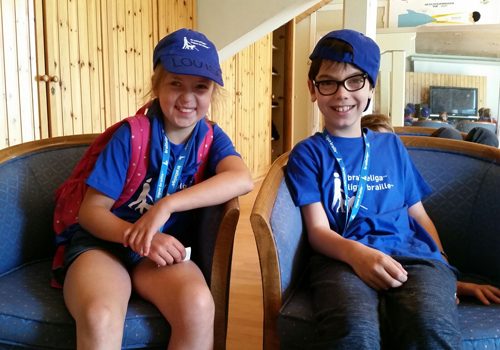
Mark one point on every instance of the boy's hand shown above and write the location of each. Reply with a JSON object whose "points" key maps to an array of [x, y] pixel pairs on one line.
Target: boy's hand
{"points": [[166, 250], [378, 270], [140, 234], [484, 292]]}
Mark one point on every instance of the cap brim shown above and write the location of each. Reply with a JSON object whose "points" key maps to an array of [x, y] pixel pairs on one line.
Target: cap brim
{"points": [[201, 69]]}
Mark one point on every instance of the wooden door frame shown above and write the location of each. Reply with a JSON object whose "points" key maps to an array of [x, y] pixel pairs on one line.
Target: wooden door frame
{"points": [[288, 92]]}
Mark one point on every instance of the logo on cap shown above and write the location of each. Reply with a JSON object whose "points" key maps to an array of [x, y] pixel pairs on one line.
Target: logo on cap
{"points": [[188, 45]]}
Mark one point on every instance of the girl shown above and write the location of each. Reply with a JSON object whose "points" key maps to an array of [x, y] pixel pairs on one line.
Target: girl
{"points": [[139, 246]]}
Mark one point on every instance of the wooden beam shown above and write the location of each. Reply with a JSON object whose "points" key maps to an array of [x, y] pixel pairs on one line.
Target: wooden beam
{"points": [[308, 12]]}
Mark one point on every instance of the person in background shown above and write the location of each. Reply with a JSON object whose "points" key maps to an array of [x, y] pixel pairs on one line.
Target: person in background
{"points": [[443, 117], [483, 136], [448, 133], [409, 114], [486, 116], [377, 122], [480, 112], [411, 106], [425, 113]]}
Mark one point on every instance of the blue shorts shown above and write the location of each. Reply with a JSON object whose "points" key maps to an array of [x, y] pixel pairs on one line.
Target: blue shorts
{"points": [[83, 241]]}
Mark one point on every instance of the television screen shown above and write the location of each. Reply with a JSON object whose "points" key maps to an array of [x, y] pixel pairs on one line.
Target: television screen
{"points": [[453, 100]]}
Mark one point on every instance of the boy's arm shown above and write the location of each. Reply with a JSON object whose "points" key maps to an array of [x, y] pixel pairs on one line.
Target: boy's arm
{"points": [[485, 293], [232, 179], [376, 269], [417, 211]]}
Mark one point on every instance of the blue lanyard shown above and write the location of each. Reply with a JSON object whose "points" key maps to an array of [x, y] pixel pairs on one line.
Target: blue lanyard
{"points": [[365, 167], [176, 172]]}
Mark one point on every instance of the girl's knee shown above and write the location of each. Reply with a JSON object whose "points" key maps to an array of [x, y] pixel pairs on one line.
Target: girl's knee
{"points": [[196, 305], [101, 317]]}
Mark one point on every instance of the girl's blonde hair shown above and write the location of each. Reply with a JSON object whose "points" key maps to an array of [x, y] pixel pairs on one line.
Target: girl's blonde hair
{"points": [[159, 75]]}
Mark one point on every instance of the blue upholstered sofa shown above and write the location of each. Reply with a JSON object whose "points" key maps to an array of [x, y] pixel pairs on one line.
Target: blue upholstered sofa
{"points": [[33, 314], [464, 205]]}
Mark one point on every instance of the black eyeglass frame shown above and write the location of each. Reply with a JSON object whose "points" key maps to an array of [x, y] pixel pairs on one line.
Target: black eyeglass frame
{"points": [[342, 82]]}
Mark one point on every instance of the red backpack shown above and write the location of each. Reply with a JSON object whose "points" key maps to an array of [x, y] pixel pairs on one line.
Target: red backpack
{"points": [[70, 194]]}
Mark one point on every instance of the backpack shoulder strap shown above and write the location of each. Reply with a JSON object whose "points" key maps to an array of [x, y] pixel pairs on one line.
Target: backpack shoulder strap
{"points": [[203, 152], [140, 135]]}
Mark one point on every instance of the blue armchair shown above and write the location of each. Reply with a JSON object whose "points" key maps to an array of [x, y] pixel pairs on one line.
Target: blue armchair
{"points": [[417, 131], [33, 314], [465, 179], [468, 126]]}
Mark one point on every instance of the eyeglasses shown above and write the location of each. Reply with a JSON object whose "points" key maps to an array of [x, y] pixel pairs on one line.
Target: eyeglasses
{"points": [[330, 87]]}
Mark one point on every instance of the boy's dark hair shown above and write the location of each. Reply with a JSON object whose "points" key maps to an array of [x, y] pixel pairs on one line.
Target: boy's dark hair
{"points": [[336, 45], [480, 111], [476, 16]]}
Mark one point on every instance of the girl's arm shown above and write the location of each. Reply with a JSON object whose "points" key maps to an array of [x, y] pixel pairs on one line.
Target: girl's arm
{"points": [[232, 179], [96, 217], [376, 269]]}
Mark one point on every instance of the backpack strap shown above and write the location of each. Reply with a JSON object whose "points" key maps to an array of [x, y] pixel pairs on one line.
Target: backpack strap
{"points": [[203, 152], [140, 136]]}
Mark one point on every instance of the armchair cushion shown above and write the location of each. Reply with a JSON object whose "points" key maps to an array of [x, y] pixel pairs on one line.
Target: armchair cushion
{"points": [[34, 313]]}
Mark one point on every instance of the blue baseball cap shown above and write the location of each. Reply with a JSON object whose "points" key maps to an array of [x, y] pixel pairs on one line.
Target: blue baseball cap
{"points": [[366, 52], [411, 106], [186, 51], [425, 112], [408, 111]]}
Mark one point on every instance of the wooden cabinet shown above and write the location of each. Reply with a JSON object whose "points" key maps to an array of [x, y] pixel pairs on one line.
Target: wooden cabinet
{"points": [[77, 66]]}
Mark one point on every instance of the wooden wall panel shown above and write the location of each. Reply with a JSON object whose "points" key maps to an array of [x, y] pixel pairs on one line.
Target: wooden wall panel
{"points": [[224, 106], [174, 14], [263, 87], [418, 85], [4, 125], [19, 115], [245, 112]]}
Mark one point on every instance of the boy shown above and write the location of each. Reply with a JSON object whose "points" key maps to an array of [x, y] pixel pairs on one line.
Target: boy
{"points": [[379, 275]]}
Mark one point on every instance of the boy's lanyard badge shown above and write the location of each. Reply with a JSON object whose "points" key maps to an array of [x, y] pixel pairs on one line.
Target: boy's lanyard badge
{"points": [[176, 172], [365, 167]]}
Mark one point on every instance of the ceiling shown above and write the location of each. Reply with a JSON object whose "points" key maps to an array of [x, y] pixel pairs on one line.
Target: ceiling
{"points": [[465, 42]]}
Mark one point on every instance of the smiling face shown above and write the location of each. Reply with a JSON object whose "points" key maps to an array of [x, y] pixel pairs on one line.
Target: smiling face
{"points": [[184, 100], [343, 109]]}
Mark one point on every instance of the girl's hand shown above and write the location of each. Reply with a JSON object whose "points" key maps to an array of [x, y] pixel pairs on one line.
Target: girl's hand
{"points": [[378, 270], [166, 250], [140, 234], [484, 292]]}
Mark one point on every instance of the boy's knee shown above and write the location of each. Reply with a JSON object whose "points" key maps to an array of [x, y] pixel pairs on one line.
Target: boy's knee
{"points": [[362, 332]]}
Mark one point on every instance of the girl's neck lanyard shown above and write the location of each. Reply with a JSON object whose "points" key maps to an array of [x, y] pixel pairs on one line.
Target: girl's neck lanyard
{"points": [[176, 172], [365, 167]]}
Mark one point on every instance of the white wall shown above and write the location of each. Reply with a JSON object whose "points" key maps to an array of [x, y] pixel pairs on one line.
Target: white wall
{"points": [[232, 25], [491, 70]]}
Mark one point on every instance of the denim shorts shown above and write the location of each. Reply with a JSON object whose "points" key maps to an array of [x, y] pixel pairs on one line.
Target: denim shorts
{"points": [[83, 241]]}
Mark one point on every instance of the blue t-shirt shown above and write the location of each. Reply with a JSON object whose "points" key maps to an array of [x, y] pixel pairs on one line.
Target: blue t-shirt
{"points": [[393, 185], [111, 167]]}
